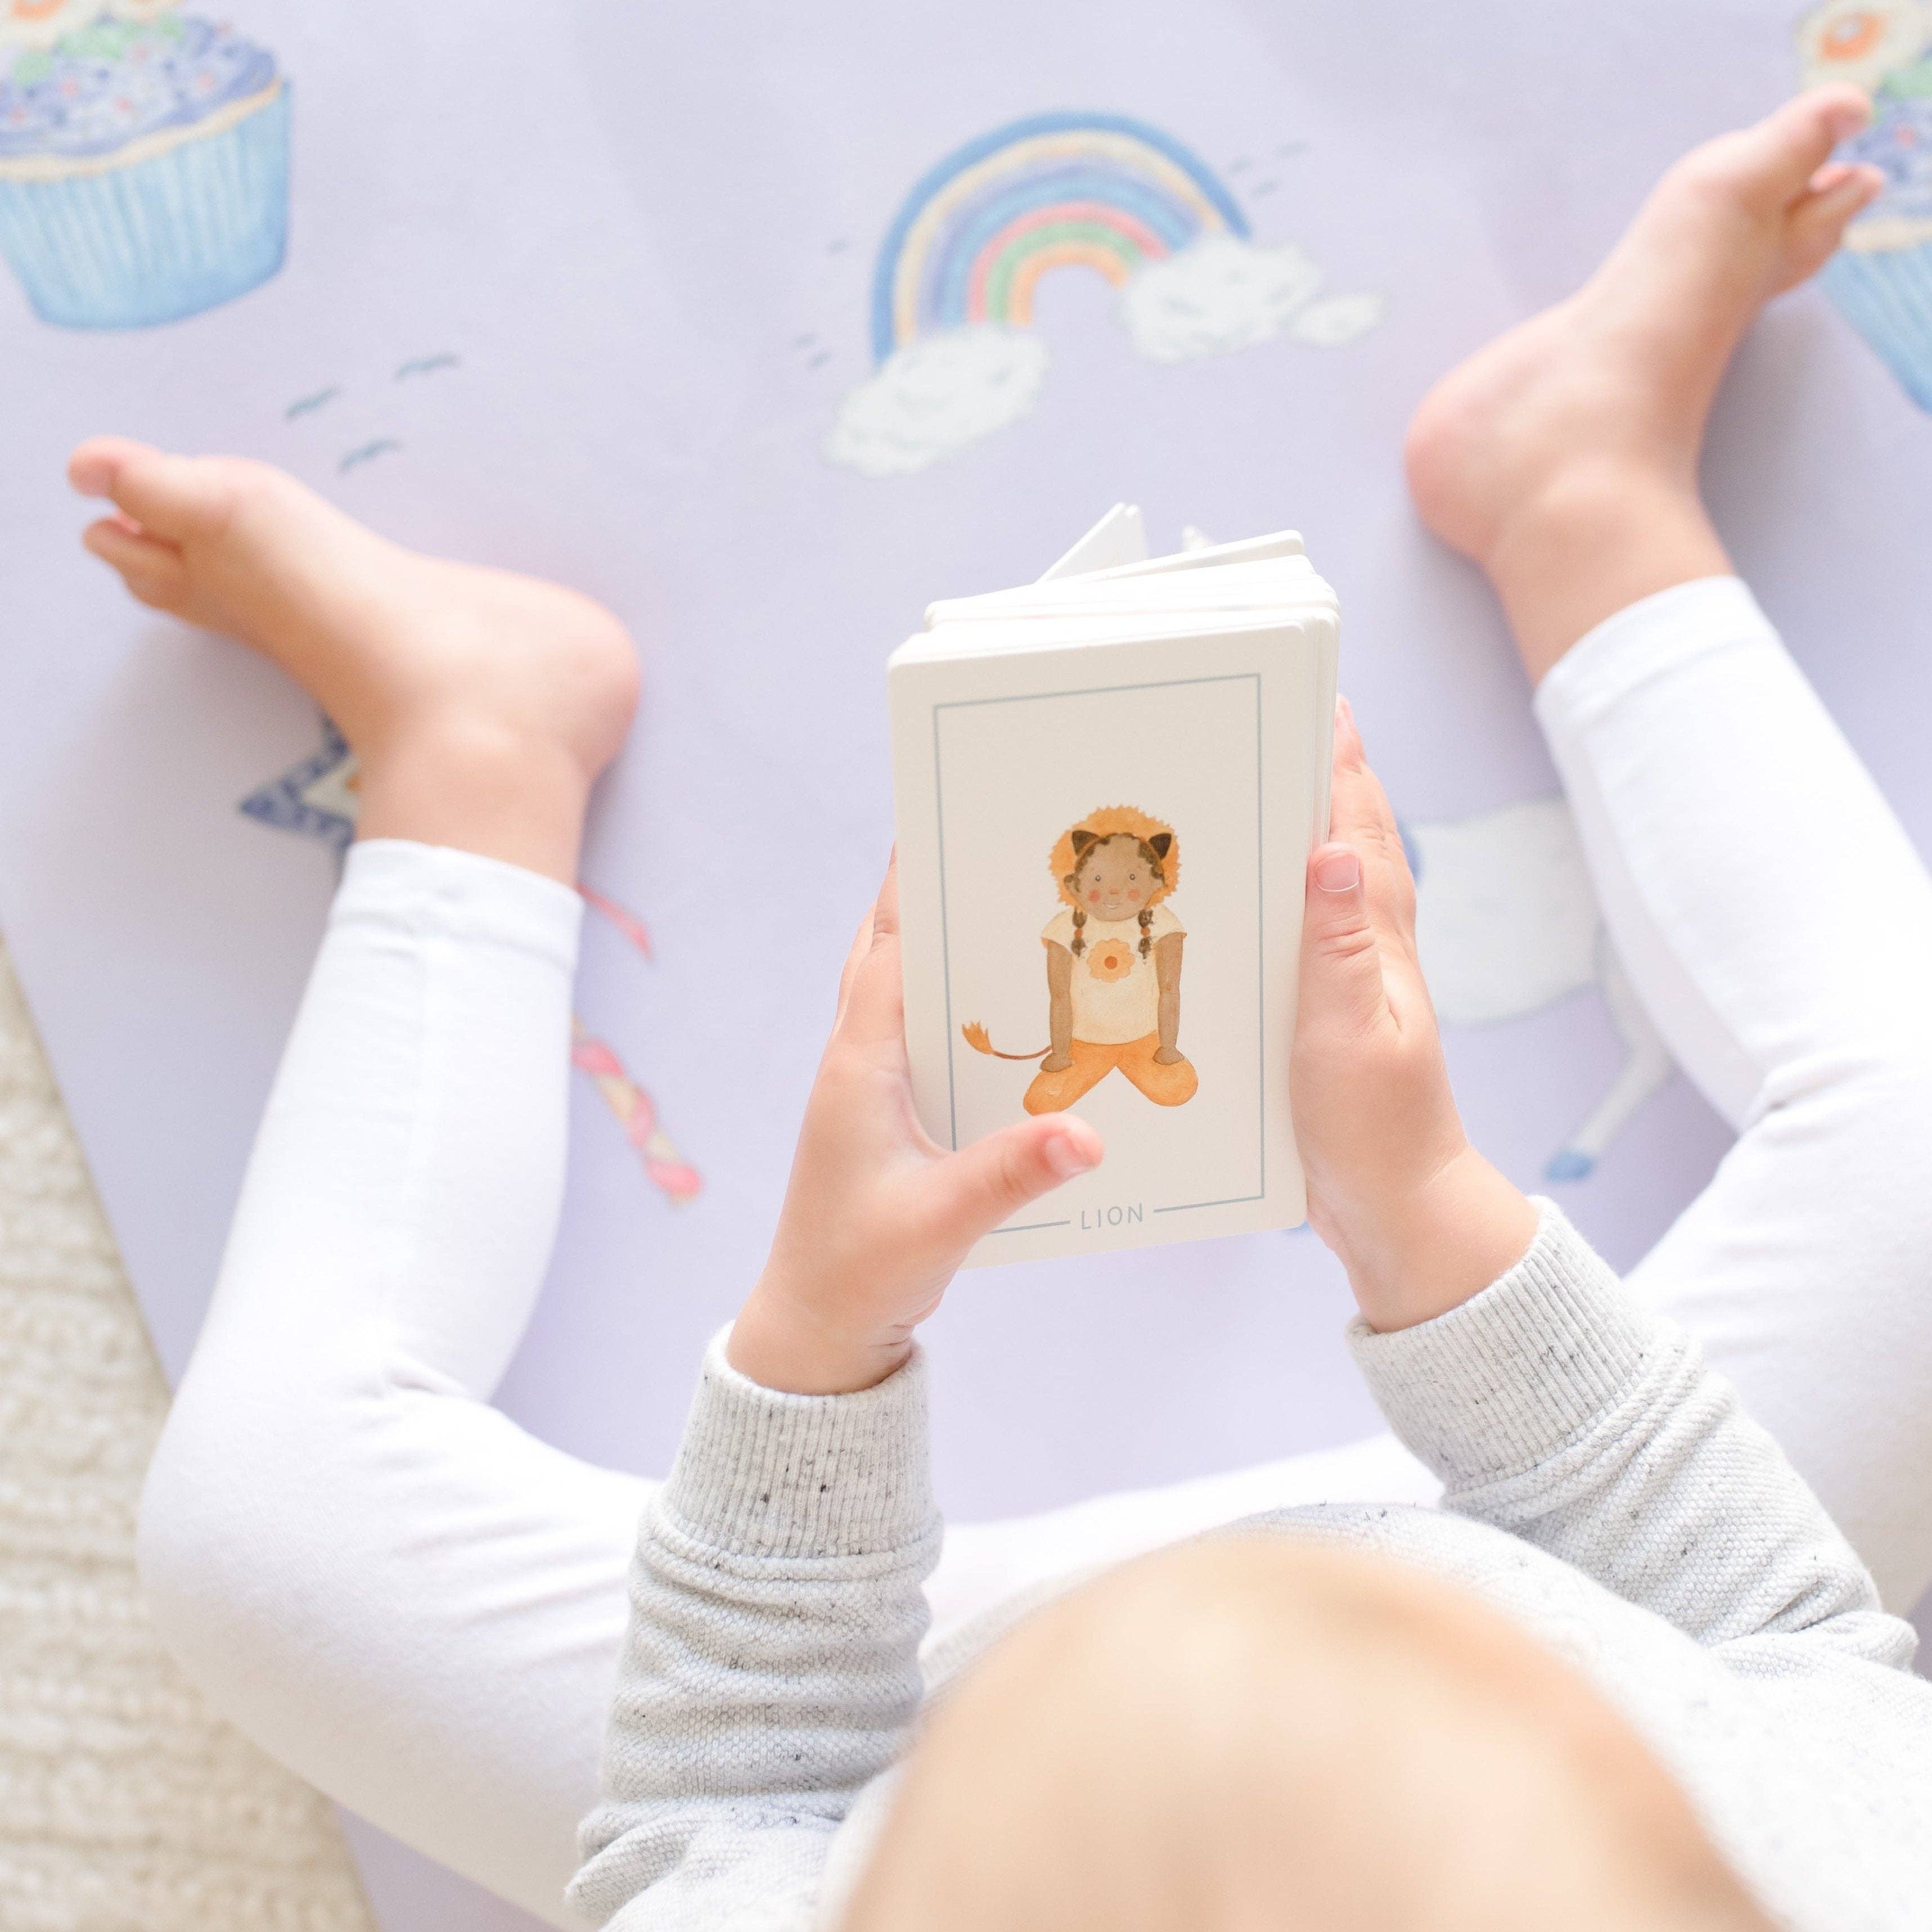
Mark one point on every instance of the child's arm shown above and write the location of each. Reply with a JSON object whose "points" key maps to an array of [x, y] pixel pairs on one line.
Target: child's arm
{"points": [[1167, 977], [771, 1667], [1059, 1008], [1506, 1354], [1554, 1406]]}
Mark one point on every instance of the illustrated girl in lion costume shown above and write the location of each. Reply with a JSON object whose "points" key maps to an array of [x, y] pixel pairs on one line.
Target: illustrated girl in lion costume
{"points": [[1113, 965]]}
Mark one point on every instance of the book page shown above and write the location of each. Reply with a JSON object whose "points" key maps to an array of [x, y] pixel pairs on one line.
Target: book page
{"points": [[1101, 857], [1162, 752]]}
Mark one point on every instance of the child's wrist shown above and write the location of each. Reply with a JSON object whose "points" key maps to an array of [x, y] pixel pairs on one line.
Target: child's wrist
{"points": [[782, 1343], [1430, 1248]]}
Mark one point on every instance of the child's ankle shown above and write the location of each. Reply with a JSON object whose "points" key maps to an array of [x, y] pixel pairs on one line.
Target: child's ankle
{"points": [[1599, 536], [466, 783]]}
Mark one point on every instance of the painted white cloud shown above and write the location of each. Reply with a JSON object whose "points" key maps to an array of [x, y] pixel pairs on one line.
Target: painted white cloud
{"points": [[1221, 293], [936, 395], [1335, 319], [1505, 919]]}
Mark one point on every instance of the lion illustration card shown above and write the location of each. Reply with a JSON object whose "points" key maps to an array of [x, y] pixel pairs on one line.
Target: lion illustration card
{"points": [[1101, 857], [1113, 966]]}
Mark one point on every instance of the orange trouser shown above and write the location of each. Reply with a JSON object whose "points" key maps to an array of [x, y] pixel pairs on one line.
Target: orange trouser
{"points": [[1092, 1061]]}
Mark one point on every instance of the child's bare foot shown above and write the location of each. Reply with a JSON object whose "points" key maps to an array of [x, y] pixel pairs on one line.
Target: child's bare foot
{"points": [[1563, 457], [481, 705]]}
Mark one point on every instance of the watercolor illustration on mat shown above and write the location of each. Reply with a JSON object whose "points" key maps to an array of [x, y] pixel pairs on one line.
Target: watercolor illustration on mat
{"points": [[316, 797], [956, 352], [323, 402], [1506, 924], [1882, 279], [144, 160]]}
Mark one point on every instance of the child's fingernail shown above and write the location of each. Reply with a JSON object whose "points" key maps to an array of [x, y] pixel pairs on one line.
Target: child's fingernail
{"points": [[1066, 1157], [1338, 872]]}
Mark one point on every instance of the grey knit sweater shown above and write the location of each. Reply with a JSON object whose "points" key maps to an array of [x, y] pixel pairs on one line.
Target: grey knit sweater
{"points": [[1602, 1488]]}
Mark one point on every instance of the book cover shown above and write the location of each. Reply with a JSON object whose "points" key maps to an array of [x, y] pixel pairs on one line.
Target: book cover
{"points": [[1107, 786]]}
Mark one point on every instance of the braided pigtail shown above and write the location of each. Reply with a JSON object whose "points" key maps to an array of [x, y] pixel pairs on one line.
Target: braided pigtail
{"points": [[1079, 920], [1151, 856]]}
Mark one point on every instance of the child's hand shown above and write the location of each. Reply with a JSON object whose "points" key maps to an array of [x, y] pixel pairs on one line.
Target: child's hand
{"points": [[877, 1217], [1419, 1219]]}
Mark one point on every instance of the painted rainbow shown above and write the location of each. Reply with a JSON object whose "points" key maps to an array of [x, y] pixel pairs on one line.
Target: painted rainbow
{"points": [[1095, 191]]}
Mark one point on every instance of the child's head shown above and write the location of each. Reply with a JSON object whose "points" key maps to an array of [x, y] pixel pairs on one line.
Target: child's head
{"points": [[1259, 1734], [1117, 863], [1115, 877]]}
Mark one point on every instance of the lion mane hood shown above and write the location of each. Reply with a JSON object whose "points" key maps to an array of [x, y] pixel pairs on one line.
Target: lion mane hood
{"points": [[1107, 823]]}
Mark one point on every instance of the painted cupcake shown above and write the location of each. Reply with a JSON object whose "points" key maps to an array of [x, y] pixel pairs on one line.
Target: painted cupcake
{"points": [[144, 160], [1882, 278]]}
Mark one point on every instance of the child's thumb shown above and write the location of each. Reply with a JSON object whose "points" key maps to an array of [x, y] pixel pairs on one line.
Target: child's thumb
{"points": [[980, 1186], [1341, 962]]}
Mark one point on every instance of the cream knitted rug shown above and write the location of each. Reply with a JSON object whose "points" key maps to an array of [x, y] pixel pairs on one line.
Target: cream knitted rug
{"points": [[124, 1806]]}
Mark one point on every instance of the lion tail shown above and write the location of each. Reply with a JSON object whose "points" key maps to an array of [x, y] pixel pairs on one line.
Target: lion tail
{"points": [[980, 1041]]}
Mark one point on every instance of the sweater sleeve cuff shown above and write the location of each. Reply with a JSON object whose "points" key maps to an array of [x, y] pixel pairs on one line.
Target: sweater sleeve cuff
{"points": [[761, 1473], [1516, 1372]]}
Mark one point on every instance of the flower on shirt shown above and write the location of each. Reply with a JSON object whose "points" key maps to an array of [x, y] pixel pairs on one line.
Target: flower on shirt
{"points": [[1111, 959]]}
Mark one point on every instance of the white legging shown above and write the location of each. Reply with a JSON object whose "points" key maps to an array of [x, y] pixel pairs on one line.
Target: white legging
{"points": [[419, 1606]]}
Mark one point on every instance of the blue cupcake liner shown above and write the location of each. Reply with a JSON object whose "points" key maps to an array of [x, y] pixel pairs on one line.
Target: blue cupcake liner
{"points": [[159, 239], [1886, 295]]}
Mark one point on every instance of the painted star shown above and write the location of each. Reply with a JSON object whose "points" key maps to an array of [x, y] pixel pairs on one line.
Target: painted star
{"points": [[317, 798]]}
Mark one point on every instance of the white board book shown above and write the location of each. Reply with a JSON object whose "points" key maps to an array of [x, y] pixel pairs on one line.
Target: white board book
{"points": [[1107, 786]]}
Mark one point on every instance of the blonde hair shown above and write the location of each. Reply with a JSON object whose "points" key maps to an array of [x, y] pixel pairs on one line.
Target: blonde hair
{"points": [[1249, 1733]]}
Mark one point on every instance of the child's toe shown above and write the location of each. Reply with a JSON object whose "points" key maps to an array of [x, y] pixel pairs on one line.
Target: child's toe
{"points": [[1817, 224], [94, 465], [179, 498], [151, 569], [1788, 147]]}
